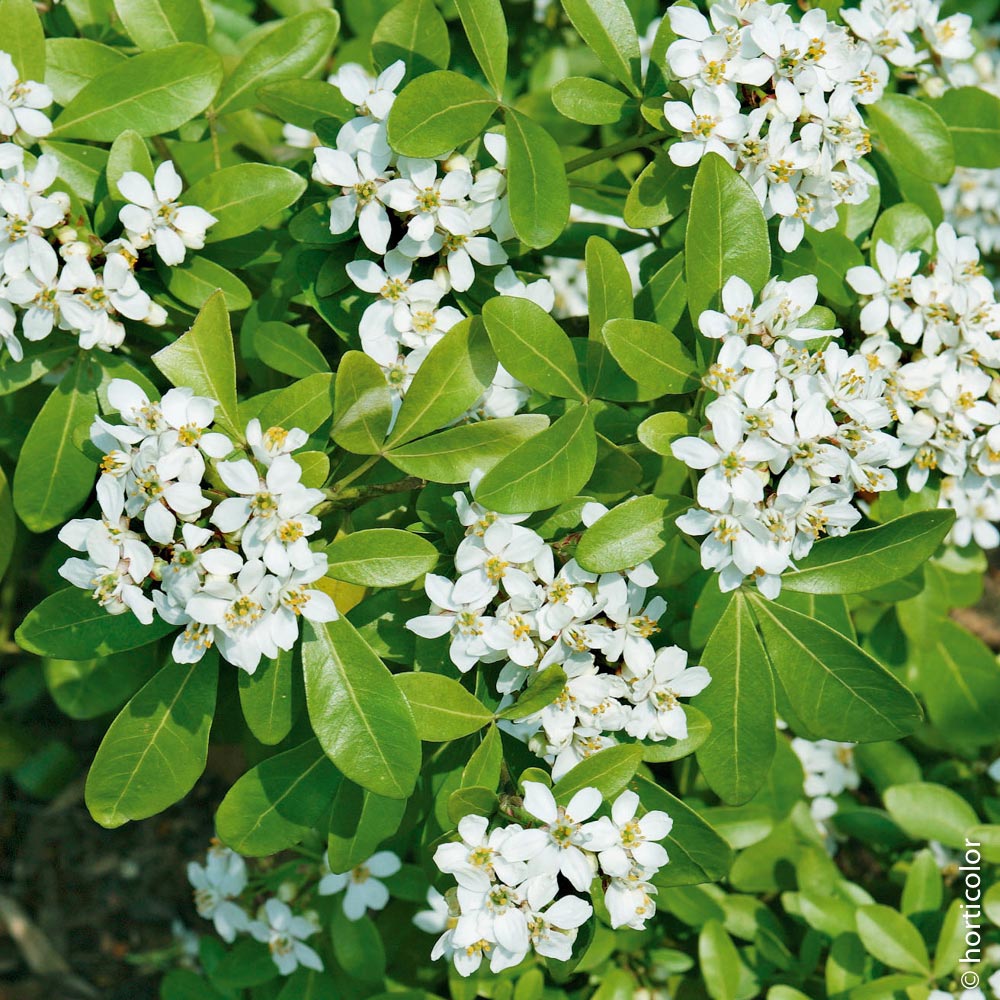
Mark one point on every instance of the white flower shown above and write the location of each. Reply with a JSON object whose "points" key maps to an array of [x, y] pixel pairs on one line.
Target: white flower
{"points": [[629, 900], [360, 181], [21, 102], [364, 890], [480, 857], [889, 290], [275, 441], [259, 498], [636, 840], [463, 620], [372, 96], [658, 713], [154, 215], [285, 934], [216, 884], [712, 120], [829, 766]]}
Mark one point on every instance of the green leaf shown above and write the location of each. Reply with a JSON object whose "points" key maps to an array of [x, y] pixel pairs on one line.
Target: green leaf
{"points": [[608, 29], [442, 709], [284, 349], [128, 152], [298, 47], [972, 117], [609, 286], [736, 757], [276, 804], [454, 375], [538, 192], [726, 235], [905, 227], [197, 279], [152, 93], [359, 822], [71, 63], [362, 405], [8, 526], [415, 32], [80, 166], [454, 454], [71, 625], [544, 471], [380, 557], [357, 947], [486, 762], [892, 939], [305, 404], [651, 355], [305, 102], [542, 690], [926, 811], [203, 359], [155, 24], [630, 533], [532, 346], [471, 800], [609, 771], [437, 112], [156, 749], [697, 853], [592, 102], [660, 430], [870, 558], [914, 136], [719, 961], [85, 689], [23, 39], [244, 197], [950, 947], [658, 195], [486, 29], [358, 714], [663, 298], [266, 698], [924, 889], [836, 689], [53, 476]]}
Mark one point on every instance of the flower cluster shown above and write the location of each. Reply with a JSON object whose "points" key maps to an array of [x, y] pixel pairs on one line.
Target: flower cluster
{"points": [[230, 562], [506, 901], [793, 434], [942, 390], [513, 603], [445, 218], [801, 144], [55, 273], [220, 883], [829, 771]]}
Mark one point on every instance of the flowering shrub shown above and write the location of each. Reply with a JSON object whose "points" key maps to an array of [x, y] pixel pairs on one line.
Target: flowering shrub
{"points": [[551, 441]]}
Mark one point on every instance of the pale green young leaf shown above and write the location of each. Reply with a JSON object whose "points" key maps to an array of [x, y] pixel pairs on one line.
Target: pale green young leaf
{"points": [[362, 405], [128, 153], [609, 286], [630, 533], [286, 350], [892, 939], [914, 136], [652, 355], [442, 709], [197, 279], [71, 63], [267, 699], [608, 29], [536, 182], [23, 39], [719, 961], [155, 24], [592, 102], [906, 227], [972, 117], [380, 557], [928, 811], [485, 764], [415, 32]]}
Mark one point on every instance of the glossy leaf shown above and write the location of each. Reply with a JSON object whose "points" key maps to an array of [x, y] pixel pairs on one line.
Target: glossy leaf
{"points": [[362, 405], [155, 24], [652, 355], [928, 811], [542, 690], [892, 939], [266, 697], [305, 404], [22, 38], [486, 29], [629, 534], [284, 349], [609, 285], [537, 189], [415, 32], [972, 117], [380, 557], [914, 136], [592, 102], [442, 709], [609, 771], [359, 821], [608, 29]]}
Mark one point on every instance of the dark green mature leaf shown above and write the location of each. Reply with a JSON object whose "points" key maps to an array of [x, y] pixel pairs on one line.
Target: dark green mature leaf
{"points": [[437, 112], [151, 93], [928, 811], [658, 195], [737, 755], [651, 355], [726, 235], [454, 375], [972, 116], [53, 476], [305, 102], [609, 285], [914, 136], [454, 454], [244, 197], [156, 749], [298, 47], [592, 102], [71, 625], [697, 853], [23, 39], [536, 182], [892, 939], [284, 349], [204, 360], [486, 29], [873, 557], [836, 689], [608, 29], [155, 24], [276, 804], [629, 533], [266, 698], [71, 63], [85, 689], [362, 405], [358, 714], [609, 771], [663, 298], [544, 471], [306, 404], [8, 526], [532, 346], [542, 690], [380, 557], [415, 32], [442, 709], [359, 821]]}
